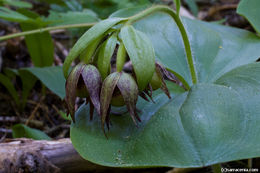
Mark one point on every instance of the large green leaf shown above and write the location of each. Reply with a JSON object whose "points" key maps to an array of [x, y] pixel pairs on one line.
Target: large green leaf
{"points": [[250, 10], [216, 49], [239, 47], [141, 54], [87, 38], [246, 81], [51, 77], [207, 125]]}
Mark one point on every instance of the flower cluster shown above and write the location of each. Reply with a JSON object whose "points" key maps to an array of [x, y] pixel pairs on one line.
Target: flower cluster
{"points": [[115, 70]]}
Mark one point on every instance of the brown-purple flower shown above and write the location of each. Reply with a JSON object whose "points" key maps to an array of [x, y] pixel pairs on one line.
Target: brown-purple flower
{"points": [[128, 88], [86, 79]]}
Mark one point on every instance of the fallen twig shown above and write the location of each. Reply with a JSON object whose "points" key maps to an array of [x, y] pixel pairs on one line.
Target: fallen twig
{"points": [[18, 155]]}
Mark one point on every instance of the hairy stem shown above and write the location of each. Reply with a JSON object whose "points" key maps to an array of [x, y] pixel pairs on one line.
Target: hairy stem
{"points": [[182, 30], [45, 29]]}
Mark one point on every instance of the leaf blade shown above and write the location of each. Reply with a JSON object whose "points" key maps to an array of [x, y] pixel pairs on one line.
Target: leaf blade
{"points": [[40, 46], [51, 77]]}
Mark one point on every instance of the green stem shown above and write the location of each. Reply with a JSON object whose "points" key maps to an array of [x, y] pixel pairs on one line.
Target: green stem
{"points": [[45, 29], [216, 168], [182, 30]]}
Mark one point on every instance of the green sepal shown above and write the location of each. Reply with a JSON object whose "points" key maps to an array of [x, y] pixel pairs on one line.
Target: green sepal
{"points": [[121, 57], [105, 54], [141, 54], [86, 39]]}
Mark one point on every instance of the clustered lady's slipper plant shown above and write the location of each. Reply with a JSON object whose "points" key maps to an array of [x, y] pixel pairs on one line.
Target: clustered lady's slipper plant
{"points": [[214, 119]]}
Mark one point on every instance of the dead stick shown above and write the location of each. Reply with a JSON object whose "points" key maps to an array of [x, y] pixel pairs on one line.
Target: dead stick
{"points": [[16, 155]]}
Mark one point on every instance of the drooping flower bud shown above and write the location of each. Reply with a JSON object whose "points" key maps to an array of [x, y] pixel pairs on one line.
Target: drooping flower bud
{"points": [[157, 82], [128, 89], [71, 88], [92, 85], [159, 72]]}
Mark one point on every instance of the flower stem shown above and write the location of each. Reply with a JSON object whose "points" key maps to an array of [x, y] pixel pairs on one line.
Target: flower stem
{"points": [[45, 29], [182, 30]]}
